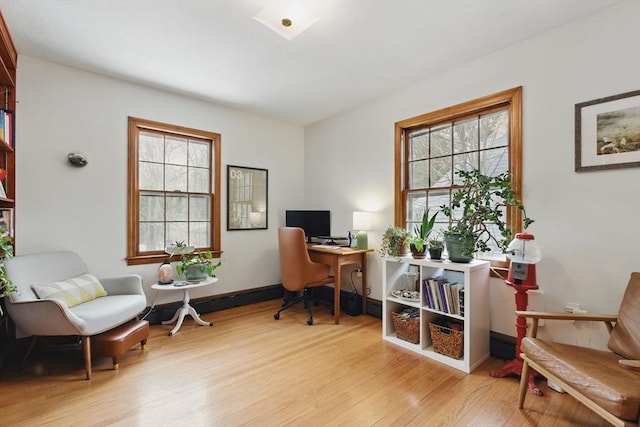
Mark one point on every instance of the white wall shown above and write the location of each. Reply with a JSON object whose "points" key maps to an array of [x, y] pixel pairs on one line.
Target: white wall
{"points": [[62, 109], [586, 223]]}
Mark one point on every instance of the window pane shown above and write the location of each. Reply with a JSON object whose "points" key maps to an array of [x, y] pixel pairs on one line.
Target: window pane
{"points": [[178, 232], [151, 207], [465, 136], [199, 208], [199, 180], [151, 147], [199, 234], [441, 141], [466, 162], [199, 154], [150, 176], [151, 236], [176, 153], [177, 208], [419, 145], [419, 174], [494, 162], [494, 130], [416, 204], [176, 178], [441, 173]]}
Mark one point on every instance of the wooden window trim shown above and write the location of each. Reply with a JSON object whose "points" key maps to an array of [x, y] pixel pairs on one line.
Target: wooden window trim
{"points": [[135, 125], [511, 99]]}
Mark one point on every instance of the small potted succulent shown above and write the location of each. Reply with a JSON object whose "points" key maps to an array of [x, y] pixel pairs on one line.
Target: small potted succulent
{"points": [[436, 245], [395, 242]]}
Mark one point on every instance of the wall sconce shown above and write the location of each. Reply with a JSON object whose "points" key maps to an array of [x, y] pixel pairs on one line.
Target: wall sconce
{"points": [[77, 159], [362, 223]]}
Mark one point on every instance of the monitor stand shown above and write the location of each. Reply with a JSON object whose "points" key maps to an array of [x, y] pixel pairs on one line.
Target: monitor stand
{"points": [[332, 240]]}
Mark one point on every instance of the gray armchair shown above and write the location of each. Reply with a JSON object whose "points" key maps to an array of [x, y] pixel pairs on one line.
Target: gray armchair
{"points": [[125, 299]]}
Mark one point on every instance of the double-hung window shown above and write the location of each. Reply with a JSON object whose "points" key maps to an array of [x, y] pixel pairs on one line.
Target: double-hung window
{"points": [[483, 134], [174, 189]]}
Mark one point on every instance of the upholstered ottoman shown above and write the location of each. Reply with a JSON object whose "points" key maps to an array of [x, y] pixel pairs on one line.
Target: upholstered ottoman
{"points": [[117, 341]]}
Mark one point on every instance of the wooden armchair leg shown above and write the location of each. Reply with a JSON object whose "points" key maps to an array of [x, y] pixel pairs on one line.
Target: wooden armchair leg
{"points": [[524, 382], [86, 349], [32, 344]]}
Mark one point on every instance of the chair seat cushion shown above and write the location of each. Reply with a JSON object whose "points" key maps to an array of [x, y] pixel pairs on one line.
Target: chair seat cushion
{"points": [[594, 373], [104, 313]]}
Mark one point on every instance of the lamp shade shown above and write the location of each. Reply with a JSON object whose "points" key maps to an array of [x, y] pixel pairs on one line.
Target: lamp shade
{"points": [[362, 220]]}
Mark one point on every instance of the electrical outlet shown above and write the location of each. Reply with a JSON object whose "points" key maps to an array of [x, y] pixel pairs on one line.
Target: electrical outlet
{"points": [[572, 307], [358, 273]]}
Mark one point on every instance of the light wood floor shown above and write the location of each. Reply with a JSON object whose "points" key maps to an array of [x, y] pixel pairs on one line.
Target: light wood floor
{"points": [[251, 370]]}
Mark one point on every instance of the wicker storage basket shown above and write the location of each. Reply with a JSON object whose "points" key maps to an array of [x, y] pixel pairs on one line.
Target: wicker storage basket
{"points": [[407, 329], [447, 341]]}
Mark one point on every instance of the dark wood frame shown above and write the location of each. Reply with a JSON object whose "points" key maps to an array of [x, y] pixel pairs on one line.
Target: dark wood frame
{"points": [[580, 144], [232, 174]]}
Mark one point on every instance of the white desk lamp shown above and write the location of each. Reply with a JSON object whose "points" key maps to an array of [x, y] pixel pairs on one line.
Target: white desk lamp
{"points": [[362, 222]]}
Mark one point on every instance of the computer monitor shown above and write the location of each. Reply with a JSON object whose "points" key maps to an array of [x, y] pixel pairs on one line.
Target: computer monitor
{"points": [[314, 223]]}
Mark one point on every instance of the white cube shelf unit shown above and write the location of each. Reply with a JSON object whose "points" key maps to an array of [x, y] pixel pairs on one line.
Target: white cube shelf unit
{"points": [[476, 317]]}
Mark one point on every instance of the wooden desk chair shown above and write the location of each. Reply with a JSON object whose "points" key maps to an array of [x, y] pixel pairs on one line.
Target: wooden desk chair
{"points": [[607, 382], [299, 273]]}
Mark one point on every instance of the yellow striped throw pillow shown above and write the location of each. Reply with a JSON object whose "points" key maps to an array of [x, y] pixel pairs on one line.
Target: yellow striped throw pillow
{"points": [[72, 291]]}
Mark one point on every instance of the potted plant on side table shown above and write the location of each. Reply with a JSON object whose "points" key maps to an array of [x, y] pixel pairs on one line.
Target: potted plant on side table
{"points": [[197, 266], [482, 200]]}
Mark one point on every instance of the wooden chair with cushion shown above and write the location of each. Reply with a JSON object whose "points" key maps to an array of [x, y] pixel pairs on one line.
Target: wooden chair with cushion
{"points": [[299, 273], [607, 382]]}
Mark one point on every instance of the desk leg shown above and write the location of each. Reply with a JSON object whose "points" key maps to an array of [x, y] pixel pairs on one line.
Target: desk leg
{"points": [[337, 270], [363, 263]]}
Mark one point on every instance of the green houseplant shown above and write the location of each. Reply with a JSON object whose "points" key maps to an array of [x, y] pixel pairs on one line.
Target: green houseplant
{"points": [[436, 245], [419, 240], [197, 266], [6, 251], [477, 215], [394, 241]]}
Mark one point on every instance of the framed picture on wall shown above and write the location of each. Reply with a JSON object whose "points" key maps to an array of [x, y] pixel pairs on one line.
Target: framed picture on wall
{"points": [[607, 132], [247, 207]]}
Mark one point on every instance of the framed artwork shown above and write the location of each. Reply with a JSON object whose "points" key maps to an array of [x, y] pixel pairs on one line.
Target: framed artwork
{"points": [[608, 133], [247, 207]]}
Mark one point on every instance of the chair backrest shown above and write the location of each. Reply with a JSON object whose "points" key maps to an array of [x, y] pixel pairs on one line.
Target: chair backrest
{"points": [[625, 337], [296, 267], [39, 268]]}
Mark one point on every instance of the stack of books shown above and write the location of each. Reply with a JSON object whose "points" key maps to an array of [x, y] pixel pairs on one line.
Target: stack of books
{"points": [[6, 127], [441, 295]]}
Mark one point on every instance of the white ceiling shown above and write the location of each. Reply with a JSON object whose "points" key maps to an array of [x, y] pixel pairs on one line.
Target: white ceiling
{"points": [[214, 50]]}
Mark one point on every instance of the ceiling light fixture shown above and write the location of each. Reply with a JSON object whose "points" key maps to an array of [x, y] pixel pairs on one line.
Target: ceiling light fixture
{"points": [[287, 18]]}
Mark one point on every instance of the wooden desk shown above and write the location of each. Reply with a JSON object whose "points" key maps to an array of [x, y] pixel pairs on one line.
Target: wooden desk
{"points": [[337, 258]]}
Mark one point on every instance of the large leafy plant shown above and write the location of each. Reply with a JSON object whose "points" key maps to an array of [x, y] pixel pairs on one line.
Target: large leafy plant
{"points": [[6, 251], [478, 209]]}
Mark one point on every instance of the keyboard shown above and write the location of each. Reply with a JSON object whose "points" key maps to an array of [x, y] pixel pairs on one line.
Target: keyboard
{"points": [[328, 246]]}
